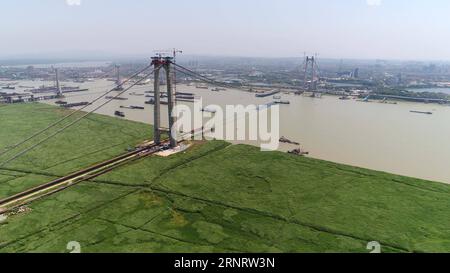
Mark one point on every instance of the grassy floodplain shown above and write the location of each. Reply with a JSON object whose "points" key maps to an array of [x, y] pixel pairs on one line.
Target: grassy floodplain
{"points": [[215, 197]]}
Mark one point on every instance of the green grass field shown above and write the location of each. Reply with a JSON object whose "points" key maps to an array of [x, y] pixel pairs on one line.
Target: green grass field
{"points": [[215, 197]]}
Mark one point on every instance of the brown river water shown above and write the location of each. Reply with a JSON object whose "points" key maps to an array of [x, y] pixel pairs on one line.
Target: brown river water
{"points": [[384, 137]]}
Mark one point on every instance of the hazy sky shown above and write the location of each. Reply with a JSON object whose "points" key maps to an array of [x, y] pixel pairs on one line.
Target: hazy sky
{"points": [[386, 29]]}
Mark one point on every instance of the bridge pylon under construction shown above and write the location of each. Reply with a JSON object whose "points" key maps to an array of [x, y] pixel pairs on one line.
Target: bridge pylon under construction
{"points": [[165, 63], [310, 84], [119, 86]]}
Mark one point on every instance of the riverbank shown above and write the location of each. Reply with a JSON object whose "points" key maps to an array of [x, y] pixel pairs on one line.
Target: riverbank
{"points": [[215, 197], [379, 136]]}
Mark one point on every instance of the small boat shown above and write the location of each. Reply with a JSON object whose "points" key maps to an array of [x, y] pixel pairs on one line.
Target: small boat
{"points": [[285, 140], [9, 87], [185, 97], [421, 112], [152, 101], [137, 107], [344, 98], [119, 114], [282, 102], [218, 89], [73, 89], [267, 94], [277, 97], [385, 101], [184, 94], [185, 100], [135, 94], [114, 98], [133, 107], [119, 88], [298, 152], [152, 94], [76, 104], [201, 86]]}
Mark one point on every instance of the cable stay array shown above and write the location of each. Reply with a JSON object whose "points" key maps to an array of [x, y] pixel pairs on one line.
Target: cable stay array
{"points": [[213, 82], [205, 79], [23, 152], [120, 85], [10, 148]]}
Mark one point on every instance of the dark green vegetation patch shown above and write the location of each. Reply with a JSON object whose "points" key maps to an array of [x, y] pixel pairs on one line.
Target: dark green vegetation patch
{"points": [[213, 198]]}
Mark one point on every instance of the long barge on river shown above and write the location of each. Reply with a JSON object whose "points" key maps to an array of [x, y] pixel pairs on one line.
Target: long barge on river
{"points": [[53, 89], [421, 112], [267, 94], [75, 104]]}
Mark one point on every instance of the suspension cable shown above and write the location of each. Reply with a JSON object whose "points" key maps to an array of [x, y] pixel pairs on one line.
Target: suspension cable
{"points": [[7, 149], [214, 82], [76, 121], [187, 71]]}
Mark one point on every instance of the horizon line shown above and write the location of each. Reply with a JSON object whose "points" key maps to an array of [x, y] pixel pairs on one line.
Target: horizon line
{"points": [[104, 56]]}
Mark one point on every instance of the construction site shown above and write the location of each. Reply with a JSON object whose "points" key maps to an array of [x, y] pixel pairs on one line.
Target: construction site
{"points": [[113, 185]]}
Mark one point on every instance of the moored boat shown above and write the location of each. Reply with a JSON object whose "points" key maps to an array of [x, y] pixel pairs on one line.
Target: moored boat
{"points": [[119, 114]]}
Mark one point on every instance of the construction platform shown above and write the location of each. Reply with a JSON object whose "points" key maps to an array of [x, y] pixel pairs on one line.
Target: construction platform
{"points": [[181, 148]]}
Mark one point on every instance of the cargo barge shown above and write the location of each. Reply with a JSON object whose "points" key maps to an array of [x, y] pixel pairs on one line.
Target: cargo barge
{"points": [[152, 102], [52, 89], [218, 89], [267, 94], [76, 104], [114, 98], [421, 112], [282, 102], [9, 87], [119, 114], [133, 107]]}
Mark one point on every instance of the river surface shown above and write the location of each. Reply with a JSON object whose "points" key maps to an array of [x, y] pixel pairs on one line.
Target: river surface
{"points": [[372, 135]]}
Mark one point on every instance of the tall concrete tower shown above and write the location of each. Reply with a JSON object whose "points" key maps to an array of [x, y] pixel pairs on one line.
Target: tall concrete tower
{"points": [[311, 64], [118, 79], [166, 63], [58, 86], [171, 95]]}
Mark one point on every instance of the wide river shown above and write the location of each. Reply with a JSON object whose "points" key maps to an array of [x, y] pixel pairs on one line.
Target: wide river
{"points": [[372, 135]]}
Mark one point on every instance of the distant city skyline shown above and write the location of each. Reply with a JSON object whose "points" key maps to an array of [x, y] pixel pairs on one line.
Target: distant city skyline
{"points": [[349, 29]]}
